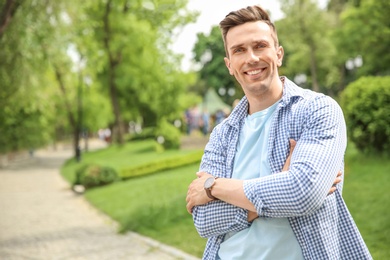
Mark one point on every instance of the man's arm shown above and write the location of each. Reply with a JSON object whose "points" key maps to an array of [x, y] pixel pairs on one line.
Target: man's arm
{"points": [[317, 158], [304, 187], [212, 218]]}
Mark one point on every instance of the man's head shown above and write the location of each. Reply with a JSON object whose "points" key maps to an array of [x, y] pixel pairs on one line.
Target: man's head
{"points": [[253, 54], [244, 15]]}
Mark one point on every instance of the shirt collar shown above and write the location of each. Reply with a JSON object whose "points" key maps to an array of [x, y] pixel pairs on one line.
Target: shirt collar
{"points": [[290, 92]]}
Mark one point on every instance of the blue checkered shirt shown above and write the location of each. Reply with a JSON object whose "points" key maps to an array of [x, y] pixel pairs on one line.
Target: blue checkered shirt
{"points": [[322, 223]]}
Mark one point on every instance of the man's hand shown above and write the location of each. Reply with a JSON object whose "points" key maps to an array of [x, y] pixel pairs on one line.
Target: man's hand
{"points": [[253, 215], [288, 160], [336, 181], [196, 194]]}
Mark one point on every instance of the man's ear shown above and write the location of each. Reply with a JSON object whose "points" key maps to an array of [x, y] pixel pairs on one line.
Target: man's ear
{"points": [[280, 54], [227, 63]]}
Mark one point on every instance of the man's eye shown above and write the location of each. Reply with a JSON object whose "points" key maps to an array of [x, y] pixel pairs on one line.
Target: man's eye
{"points": [[238, 50], [260, 46]]}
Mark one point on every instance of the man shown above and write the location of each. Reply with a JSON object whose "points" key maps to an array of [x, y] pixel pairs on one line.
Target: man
{"points": [[242, 201]]}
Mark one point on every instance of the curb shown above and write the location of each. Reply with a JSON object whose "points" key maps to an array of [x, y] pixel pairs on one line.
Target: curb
{"points": [[168, 249]]}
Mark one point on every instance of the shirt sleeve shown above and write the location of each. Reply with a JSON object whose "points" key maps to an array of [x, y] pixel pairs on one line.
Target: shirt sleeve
{"points": [[217, 217], [316, 160]]}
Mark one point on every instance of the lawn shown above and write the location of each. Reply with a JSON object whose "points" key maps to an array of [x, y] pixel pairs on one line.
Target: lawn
{"points": [[367, 195], [154, 205], [132, 154]]}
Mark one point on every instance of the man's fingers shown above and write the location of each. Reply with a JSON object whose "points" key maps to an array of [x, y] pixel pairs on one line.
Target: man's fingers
{"points": [[337, 180], [292, 145], [189, 208], [333, 189]]}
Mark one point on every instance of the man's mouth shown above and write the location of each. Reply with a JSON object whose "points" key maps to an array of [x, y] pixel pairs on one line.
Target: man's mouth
{"points": [[254, 72]]}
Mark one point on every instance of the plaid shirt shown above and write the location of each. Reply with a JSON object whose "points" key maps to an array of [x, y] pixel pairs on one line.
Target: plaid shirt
{"points": [[322, 224]]}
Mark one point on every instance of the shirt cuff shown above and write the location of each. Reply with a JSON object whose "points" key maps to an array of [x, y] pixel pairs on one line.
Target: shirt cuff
{"points": [[251, 194]]}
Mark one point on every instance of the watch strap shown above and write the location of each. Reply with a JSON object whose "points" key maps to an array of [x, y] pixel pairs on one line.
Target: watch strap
{"points": [[208, 191]]}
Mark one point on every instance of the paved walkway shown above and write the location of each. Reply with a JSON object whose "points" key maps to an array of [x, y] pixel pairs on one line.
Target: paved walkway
{"points": [[41, 218]]}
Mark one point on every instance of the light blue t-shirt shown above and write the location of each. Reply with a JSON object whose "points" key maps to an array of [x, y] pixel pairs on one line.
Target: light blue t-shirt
{"points": [[266, 238]]}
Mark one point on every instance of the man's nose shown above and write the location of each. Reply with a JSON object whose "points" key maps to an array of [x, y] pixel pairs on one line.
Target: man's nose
{"points": [[251, 57]]}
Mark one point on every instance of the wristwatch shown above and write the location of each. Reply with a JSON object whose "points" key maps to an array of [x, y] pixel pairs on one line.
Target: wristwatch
{"points": [[208, 184]]}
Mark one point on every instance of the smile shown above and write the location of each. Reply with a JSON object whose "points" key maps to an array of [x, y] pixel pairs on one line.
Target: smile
{"points": [[254, 72]]}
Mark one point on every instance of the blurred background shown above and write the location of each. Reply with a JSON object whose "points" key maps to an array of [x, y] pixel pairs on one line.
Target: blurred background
{"points": [[128, 70]]}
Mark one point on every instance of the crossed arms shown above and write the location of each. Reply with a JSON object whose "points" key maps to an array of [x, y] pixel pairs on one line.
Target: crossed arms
{"points": [[301, 190]]}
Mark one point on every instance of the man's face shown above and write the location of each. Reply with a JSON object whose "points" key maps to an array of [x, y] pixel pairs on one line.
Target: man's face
{"points": [[253, 58]]}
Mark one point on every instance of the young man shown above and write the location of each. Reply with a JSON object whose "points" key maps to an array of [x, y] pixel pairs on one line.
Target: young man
{"points": [[242, 201]]}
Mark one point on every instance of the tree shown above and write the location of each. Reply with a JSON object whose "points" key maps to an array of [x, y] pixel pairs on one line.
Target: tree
{"points": [[139, 73], [38, 81], [304, 34], [365, 33], [8, 11], [123, 54], [25, 93], [209, 53]]}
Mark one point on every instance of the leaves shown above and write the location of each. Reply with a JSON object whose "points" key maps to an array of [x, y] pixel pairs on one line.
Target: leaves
{"points": [[71, 65]]}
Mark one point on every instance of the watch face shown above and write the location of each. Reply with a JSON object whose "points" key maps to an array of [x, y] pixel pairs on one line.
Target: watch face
{"points": [[209, 182]]}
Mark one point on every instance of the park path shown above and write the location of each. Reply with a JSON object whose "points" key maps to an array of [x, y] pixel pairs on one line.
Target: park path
{"points": [[41, 218]]}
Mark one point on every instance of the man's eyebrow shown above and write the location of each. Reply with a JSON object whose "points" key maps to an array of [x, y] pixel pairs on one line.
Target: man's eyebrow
{"points": [[262, 41], [236, 46], [254, 42]]}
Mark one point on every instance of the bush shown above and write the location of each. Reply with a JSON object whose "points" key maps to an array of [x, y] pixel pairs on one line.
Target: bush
{"points": [[366, 105], [147, 133], [92, 175], [168, 135], [160, 165]]}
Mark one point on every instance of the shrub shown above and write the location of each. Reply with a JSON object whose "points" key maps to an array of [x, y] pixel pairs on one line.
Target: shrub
{"points": [[92, 175], [161, 165], [366, 105], [168, 135], [146, 133]]}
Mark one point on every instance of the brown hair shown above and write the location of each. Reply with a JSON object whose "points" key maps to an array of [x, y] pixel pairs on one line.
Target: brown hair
{"points": [[250, 14]]}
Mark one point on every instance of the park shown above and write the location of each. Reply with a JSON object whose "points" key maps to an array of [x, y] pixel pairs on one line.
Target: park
{"points": [[74, 74]]}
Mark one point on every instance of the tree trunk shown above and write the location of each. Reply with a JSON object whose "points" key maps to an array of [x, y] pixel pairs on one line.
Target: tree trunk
{"points": [[75, 126], [7, 13], [113, 63], [313, 68], [311, 43]]}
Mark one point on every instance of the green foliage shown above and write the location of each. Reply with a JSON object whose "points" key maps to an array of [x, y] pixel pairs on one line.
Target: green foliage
{"points": [[146, 133], [143, 78], [366, 104], [23, 128], [26, 97], [365, 31], [209, 53], [94, 175], [36, 55], [304, 34], [160, 213], [131, 155], [168, 135], [160, 165]]}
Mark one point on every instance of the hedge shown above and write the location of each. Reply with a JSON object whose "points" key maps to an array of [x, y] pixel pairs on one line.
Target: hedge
{"points": [[366, 105], [160, 165]]}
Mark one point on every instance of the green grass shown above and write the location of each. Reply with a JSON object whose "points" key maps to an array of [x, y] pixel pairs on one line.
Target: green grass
{"points": [[154, 205], [131, 154], [367, 195]]}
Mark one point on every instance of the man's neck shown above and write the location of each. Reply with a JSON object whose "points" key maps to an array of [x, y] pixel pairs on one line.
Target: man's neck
{"points": [[262, 102]]}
